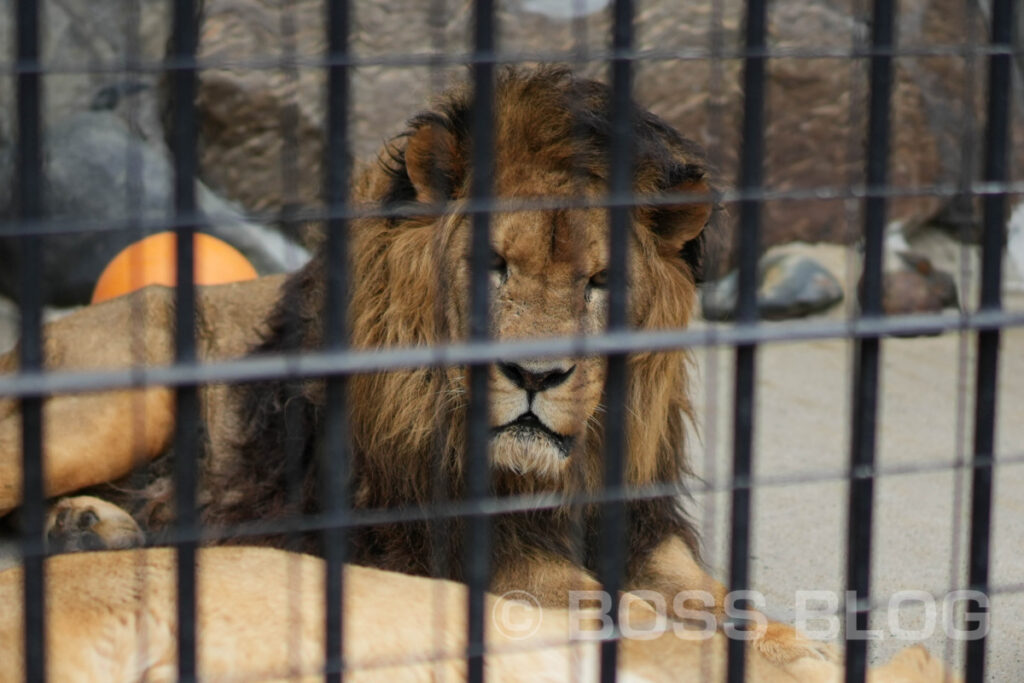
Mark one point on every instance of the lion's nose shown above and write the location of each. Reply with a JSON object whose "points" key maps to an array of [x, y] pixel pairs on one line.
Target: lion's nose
{"points": [[535, 380]]}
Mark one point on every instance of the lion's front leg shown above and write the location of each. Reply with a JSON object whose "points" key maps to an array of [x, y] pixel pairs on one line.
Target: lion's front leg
{"points": [[93, 438], [673, 571], [88, 439], [547, 578]]}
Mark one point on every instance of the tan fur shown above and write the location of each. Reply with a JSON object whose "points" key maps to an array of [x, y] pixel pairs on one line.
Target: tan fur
{"points": [[409, 284], [97, 437], [89, 523], [111, 618], [550, 256]]}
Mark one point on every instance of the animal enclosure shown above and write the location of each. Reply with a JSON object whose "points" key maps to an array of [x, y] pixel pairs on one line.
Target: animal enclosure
{"points": [[860, 454]]}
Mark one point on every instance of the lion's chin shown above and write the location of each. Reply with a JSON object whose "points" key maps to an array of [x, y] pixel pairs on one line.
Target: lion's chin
{"points": [[528, 452]]}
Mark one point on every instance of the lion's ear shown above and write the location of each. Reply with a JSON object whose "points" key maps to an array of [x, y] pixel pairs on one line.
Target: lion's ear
{"points": [[680, 225], [434, 161], [677, 223]]}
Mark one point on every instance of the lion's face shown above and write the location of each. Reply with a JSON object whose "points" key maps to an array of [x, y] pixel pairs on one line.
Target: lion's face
{"points": [[548, 277], [547, 271]]}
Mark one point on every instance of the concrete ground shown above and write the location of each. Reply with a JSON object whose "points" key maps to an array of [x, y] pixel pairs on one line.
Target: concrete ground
{"points": [[922, 498], [921, 513], [921, 518]]}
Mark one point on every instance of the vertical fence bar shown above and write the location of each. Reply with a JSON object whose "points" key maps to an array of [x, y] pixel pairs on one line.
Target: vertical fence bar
{"points": [[477, 543], [712, 363], [965, 180], [868, 350], [751, 178], [335, 454], [288, 123], [30, 210], [613, 523], [184, 41], [997, 143]]}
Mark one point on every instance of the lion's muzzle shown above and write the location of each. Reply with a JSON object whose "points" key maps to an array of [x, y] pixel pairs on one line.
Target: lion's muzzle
{"points": [[535, 379], [528, 425]]}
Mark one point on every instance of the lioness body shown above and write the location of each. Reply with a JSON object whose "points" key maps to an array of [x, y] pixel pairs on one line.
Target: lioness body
{"points": [[112, 618], [96, 438]]}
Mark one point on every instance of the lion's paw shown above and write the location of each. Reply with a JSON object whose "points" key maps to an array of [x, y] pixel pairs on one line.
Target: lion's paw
{"points": [[87, 523], [782, 644]]}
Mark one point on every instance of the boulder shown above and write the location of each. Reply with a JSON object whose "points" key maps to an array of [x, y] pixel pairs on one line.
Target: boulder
{"points": [[105, 188], [262, 113], [85, 48], [917, 287], [789, 286]]}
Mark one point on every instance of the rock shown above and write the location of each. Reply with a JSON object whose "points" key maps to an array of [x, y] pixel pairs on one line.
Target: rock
{"points": [[793, 287], [918, 287], [262, 129], [100, 176], [260, 123], [789, 286], [85, 47]]}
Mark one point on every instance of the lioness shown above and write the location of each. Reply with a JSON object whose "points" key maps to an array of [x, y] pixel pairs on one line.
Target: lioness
{"points": [[409, 281], [261, 617]]}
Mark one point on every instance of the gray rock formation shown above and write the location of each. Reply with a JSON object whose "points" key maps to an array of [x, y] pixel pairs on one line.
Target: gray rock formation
{"points": [[789, 286], [86, 47], [105, 188], [263, 112]]}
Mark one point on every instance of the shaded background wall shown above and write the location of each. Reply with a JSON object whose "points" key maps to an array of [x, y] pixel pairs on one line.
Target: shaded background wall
{"points": [[261, 105]]}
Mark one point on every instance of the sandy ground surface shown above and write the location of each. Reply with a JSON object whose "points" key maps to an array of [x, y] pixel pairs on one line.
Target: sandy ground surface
{"points": [[922, 497]]}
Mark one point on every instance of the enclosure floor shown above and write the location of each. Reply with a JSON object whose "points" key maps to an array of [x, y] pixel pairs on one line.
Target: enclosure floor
{"points": [[921, 521]]}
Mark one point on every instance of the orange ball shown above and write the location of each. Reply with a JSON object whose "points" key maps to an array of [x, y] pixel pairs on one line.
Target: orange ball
{"points": [[151, 261]]}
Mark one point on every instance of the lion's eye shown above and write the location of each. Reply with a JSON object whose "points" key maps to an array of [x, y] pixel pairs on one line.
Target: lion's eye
{"points": [[498, 263], [599, 280]]}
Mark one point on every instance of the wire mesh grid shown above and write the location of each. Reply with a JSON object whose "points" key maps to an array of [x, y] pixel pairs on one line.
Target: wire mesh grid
{"points": [[866, 195]]}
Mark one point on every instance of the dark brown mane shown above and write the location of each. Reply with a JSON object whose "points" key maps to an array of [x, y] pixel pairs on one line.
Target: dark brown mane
{"points": [[565, 120]]}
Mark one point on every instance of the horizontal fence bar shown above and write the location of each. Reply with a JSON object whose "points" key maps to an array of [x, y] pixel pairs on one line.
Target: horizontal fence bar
{"points": [[512, 58], [527, 502], [314, 364], [58, 225]]}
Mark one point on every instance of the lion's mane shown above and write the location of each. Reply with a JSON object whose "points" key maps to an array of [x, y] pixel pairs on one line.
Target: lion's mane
{"points": [[406, 428]]}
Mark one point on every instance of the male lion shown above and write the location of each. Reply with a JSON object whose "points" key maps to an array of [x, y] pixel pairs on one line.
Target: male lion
{"points": [[409, 282]]}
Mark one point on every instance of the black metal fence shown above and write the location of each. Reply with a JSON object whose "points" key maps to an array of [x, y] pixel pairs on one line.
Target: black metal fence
{"points": [[335, 361]]}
